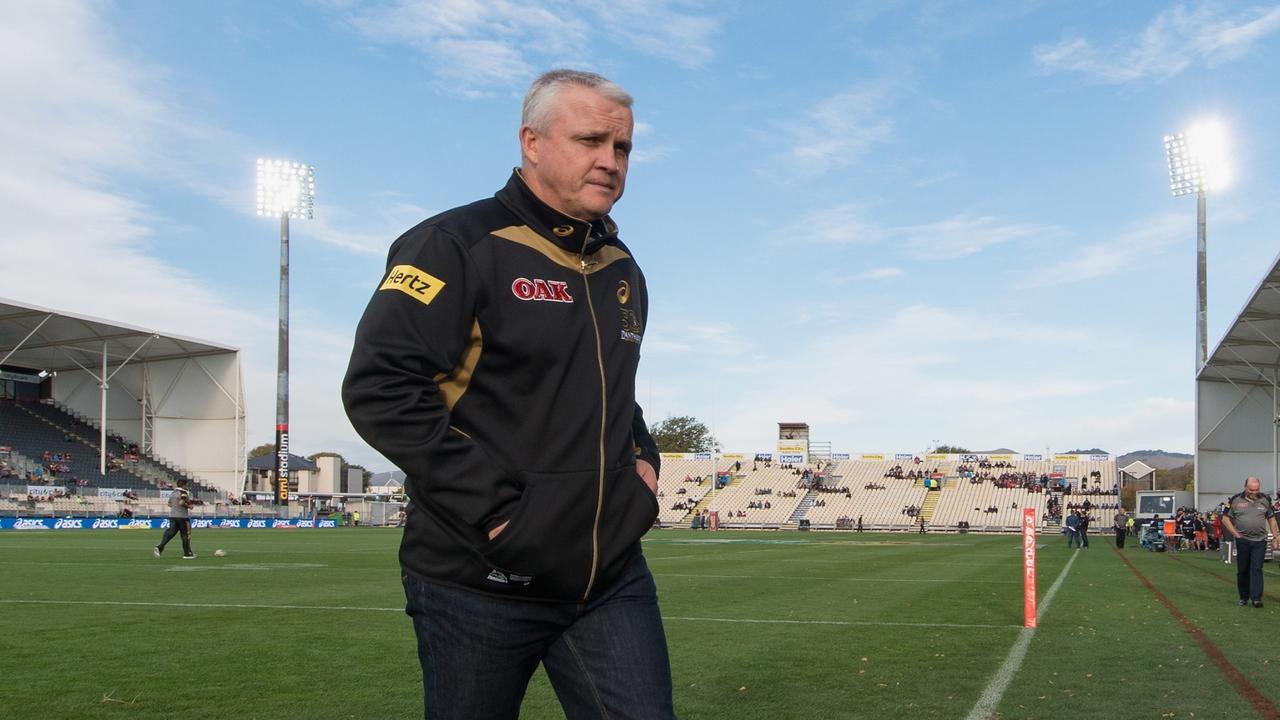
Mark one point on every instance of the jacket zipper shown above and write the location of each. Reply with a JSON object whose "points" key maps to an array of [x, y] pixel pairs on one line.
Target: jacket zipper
{"points": [[595, 527]]}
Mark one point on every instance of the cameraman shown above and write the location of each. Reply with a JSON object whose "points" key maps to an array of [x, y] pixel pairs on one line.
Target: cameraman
{"points": [[179, 521]]}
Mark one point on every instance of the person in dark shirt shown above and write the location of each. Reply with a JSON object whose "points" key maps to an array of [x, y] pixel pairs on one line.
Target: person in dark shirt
{"points": [[1246, 520], [179, 523]]}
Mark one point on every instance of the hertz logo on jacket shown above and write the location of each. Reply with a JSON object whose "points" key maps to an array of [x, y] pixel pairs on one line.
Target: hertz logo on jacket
{"points": [[417, 284]]}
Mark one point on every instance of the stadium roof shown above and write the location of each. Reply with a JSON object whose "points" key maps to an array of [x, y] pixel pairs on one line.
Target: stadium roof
{"points": [[268, 462], [1249, 353], [43, 339], [1137, 469]]}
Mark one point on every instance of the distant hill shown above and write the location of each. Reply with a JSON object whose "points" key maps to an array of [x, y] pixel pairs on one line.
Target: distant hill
{"points": [[997, 451], [1158, 459], [391, 477]]}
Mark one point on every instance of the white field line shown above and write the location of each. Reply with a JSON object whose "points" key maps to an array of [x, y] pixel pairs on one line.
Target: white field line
{"points": [[263, 606], [214, 606], [830, 577], [846, 623], [991, 696]]}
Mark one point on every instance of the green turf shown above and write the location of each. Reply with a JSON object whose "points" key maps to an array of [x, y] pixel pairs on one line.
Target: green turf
{"points": [[911, 627]]}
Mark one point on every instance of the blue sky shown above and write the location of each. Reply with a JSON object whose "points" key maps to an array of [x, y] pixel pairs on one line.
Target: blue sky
{"points": [[899, 222]]}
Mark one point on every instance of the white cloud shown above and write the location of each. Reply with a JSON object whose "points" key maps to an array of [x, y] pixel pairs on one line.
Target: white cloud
{"points": [[1146, 422], [946, 239], [882, 273], [653, 27], [837, 278], [1174, 41], [963, 235], [477, 47], [645, 151], [333, 226], [1127, 250], [838, 130], [957, 373], [690, 337], [844, 224]]}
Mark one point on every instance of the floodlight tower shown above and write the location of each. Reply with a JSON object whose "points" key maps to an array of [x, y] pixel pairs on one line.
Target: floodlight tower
{"points": [[1198, 163], [288, 190]]}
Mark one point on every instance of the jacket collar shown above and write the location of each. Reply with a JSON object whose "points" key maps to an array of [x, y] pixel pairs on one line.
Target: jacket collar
{"points": [[572, 234]]}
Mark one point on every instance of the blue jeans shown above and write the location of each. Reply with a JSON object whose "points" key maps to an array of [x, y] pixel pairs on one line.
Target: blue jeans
{"points": [[1249, 557], [607, 658]]}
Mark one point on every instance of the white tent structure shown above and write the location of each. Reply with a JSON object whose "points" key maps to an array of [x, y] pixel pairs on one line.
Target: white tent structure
{"points": [[1236, 403], [1138, 471], [181, 400]]}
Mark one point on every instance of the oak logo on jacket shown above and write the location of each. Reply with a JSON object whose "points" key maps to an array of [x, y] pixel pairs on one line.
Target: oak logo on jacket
{"points": [[538, 289], [417, 284]]}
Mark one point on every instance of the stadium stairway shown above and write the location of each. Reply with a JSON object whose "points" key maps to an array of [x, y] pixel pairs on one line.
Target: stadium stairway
{"points": [[151, 470], [929, 505], [706, 499], [31, 435], [1055, 495], [702, 505], [805, 503]]}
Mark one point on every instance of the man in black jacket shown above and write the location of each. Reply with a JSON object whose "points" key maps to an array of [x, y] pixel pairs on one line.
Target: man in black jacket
{"points": [[495, 365]]}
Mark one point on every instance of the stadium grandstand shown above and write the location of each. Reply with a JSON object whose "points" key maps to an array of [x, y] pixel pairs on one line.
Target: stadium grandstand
{"points": [[98, 415], [942, 492]]}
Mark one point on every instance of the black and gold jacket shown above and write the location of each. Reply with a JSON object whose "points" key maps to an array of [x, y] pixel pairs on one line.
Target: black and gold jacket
{"points": [[495, 365]]}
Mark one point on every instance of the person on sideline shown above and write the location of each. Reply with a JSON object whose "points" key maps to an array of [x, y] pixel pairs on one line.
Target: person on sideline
{"points": [[1121, 526], [1245, 521], [495, 365]]}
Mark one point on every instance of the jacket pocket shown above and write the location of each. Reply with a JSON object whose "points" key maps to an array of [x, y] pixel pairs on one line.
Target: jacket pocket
{"points": [[550, 526], [629, 511]]}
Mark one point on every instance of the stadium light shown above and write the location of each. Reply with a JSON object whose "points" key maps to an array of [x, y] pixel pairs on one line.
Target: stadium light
{"points": [[285, 190], [1198, 163]]}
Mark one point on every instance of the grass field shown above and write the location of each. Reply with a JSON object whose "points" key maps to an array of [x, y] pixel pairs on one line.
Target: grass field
{"points": [[309, 624]]}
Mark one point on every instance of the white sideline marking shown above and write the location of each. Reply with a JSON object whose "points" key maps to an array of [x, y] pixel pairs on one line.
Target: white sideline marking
{"points": [[991, 696], [244, 566], [859, 623], [257, 606], [235, 606], [829, 577]]}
